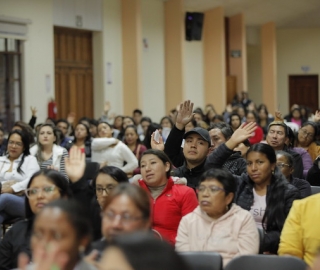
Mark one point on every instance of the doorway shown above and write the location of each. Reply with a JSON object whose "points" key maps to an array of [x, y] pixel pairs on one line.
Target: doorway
{"points": [[73, 72], [303, 90]]}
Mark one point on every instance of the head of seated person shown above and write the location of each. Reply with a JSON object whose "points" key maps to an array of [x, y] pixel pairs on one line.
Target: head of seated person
{"points": [[18, 144], [46, 137], [126, 209], [82, 133], [219, 134], [285, 164], [61, 228], [196, 146], [105, 130], [107, 179], [216, 191], [125, 253], [63, 125], [45, 186], [20, 125]]}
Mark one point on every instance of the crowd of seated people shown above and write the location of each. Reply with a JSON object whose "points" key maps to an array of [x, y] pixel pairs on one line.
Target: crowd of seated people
{"points": [[90, 194]]}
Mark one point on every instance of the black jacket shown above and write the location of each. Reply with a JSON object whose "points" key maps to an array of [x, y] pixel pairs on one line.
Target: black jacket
{"points": [[192, 175], [244, 198], [15, 241], [303, 186], [313, 176], [297, 161]]}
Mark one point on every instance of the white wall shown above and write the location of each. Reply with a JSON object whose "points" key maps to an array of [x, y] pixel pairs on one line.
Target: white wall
{"points": [[38, 53], [296, 48], [108, 49], [153, 77], [193, 73]]}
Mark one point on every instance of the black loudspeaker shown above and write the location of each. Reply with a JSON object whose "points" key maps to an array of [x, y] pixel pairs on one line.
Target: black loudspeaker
{"points": [[194, 22]]}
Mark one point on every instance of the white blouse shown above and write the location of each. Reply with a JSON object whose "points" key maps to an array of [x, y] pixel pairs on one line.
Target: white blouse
{"points": [[28, 167]]}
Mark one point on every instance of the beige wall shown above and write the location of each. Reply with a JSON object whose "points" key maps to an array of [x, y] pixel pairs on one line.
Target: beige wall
{"points": [[38, 55], [254, 73], [296, 48], [153, 77]]}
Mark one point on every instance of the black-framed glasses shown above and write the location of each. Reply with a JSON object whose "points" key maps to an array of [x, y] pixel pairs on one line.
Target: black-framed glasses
{"points": [[212, 189], [34, 192], [107, 189], [18, 144], [282, 165], [123, 218]]}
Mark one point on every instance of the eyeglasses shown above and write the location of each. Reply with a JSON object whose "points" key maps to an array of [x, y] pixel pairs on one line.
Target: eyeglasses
{"points": [[34, 192], [282, 165], [124, 219], [18, 144], [306, 134], [212, 189], [108, 189]]}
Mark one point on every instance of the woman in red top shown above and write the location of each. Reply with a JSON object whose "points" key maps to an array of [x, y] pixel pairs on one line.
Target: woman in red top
{"points": [[258, 133], [170, 201]]}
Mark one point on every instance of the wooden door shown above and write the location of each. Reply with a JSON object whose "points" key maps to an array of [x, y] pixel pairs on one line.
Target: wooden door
{"points": [[303, 90], [73, 72]]}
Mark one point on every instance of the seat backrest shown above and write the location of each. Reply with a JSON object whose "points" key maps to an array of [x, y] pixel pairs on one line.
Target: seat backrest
{"points": [[203, 260], [315, 190], [266, 262], [261, 237]]}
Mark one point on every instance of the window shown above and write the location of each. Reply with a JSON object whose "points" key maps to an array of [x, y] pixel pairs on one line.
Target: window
{"points": [[10, 81]]}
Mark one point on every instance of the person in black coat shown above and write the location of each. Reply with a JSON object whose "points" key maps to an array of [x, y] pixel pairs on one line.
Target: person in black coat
{"points": [[92, 194], [263, 190], [313, 176], [286, 165], [44, 186]]}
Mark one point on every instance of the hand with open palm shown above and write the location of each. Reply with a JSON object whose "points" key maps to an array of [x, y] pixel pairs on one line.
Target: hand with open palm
{"points": [[185, 114], [75, 165]]}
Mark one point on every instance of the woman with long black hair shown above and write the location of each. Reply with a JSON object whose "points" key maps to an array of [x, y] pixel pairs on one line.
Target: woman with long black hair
{"points": [[262, 190]]}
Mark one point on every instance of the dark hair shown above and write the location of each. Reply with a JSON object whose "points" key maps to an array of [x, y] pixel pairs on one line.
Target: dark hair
{"points": [[157, 254], [291, 136], [88, 138], [118, 116], [26, 129], [56, 178], [225, 129], [94, 122], [137, 195], [104, 122], [199, 111], [217, 117], [274, 216], [147, 139], [76, 216], [161, 155], [237, 115], [224, 177], [288, 156], [314, 125], [167, 118], [194, 122], [62, 120], [129, 118], [146, 119], [25, 141], [135, 130], [256, 117], [137, 111], [114, 172], [1, 129]]}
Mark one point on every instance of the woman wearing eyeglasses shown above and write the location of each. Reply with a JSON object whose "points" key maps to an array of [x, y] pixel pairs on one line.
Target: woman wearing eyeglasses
{"points": [[217, 224], [43, 187], [16, 168], [286, 165]]}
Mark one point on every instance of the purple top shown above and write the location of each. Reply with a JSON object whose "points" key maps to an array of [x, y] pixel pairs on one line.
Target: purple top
{"points": [[306, 159]]}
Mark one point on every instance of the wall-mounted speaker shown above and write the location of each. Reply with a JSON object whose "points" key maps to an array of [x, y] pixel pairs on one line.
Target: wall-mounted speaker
{"points": [[193, 24]]}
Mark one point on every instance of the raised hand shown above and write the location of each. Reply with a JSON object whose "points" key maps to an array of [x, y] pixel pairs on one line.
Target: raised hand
{"points": [[75, 164], [185, 114], [157, 145], [245, 131], [107, 107], [33, 111], [278, 116], [71, 117], [316, 116]]}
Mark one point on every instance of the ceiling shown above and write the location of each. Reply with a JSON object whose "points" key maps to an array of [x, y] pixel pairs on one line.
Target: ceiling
{"points": [[285, 13]]}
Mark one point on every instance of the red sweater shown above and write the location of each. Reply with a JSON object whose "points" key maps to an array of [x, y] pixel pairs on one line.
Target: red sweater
{"points": [[173, 203]]}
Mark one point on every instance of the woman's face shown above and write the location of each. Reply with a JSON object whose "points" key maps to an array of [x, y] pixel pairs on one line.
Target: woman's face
{"points": [[189, 126], [197, 117], [241, 112], [153, 170], [212, 198], [165, 123], [93, 130], [127, 122], [46, 136], [131, 136], [263, 114], [284, 166], [80, 132], [104, 130], [259, 168], [113, 258], [296, 114], [118, 122], [53, 228], [306, 135], [122, 216], [104, 185], [145, 125], [250, 118], [41, 192], [235, 121], [15, 146]]}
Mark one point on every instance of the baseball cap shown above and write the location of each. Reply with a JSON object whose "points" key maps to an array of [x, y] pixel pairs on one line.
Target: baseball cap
{"points": [[202, 132]]}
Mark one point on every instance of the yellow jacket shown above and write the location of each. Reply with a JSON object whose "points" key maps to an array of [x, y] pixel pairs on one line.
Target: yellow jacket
{"points": [[300, 236]]}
